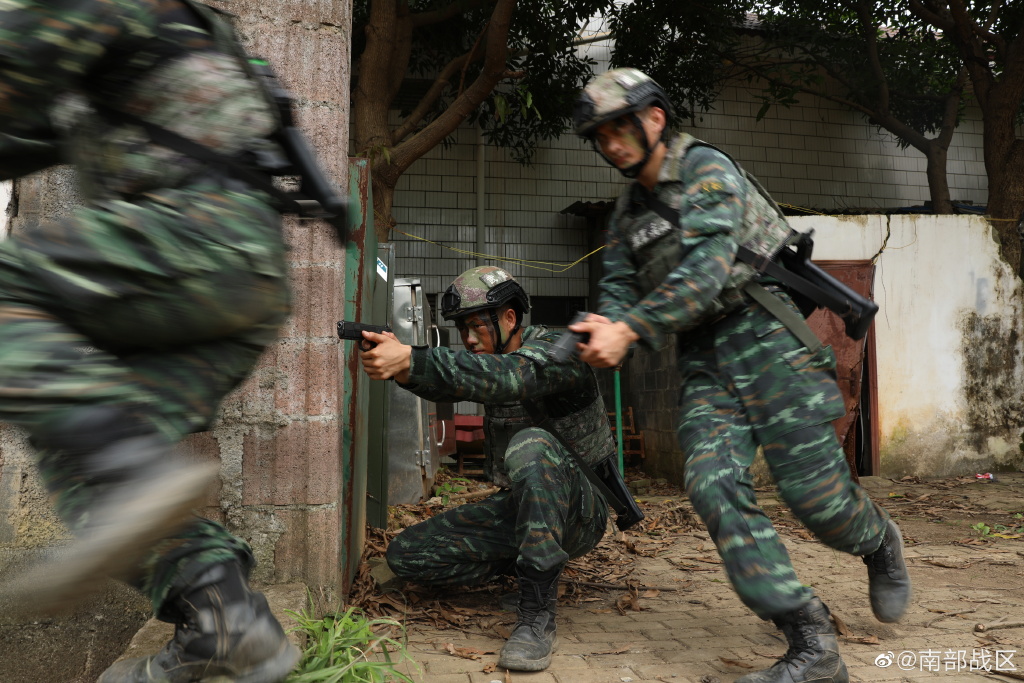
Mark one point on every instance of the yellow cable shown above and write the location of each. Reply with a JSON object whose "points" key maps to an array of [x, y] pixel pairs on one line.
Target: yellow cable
{"points": [[524, 262], [800, 208]]}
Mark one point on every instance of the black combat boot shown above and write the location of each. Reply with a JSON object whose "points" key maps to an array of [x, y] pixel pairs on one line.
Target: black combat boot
{"points": [[121, 491], [533, 639], [813, 654], [888, 580], [223, 632]]}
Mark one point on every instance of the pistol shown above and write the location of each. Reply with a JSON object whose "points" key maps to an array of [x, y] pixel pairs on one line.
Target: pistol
{"points": [[564, 347], [354, 332]]}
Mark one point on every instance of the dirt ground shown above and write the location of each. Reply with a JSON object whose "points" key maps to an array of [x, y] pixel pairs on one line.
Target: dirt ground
{"points": [[640, 606], [71, 648], [965, 548]]}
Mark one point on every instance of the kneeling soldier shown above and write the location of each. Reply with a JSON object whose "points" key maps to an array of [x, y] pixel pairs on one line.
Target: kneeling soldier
{"points": [[547, 511]]}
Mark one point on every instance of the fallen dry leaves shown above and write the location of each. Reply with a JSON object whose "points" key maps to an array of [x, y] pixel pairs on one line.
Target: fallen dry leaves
{"points": [[609, 566], [845, 631], [466, 652]]}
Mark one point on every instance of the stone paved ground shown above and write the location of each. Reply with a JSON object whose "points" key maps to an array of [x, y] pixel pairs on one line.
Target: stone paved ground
{"points": [[701, 633]]}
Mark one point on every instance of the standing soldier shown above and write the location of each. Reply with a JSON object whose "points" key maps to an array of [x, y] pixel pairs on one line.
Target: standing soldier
{"points": [[748, 381], [547, 512], [124, 325]]}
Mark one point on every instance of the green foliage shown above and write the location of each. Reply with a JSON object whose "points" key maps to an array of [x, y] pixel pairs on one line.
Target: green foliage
{"points": [[544, 70], [983, 529], [682, 45], [340, 646], [874, 57], [451, 486], [873, 54]]}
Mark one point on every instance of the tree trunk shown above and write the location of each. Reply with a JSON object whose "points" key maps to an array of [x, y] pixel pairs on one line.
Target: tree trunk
{"points": [[938, 181], [1004, 162], [383, 200], [1006, 197], [382, 66]]}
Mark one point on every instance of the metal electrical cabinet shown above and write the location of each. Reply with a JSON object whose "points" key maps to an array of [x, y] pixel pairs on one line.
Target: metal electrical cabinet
{"points": [[420, 432]]}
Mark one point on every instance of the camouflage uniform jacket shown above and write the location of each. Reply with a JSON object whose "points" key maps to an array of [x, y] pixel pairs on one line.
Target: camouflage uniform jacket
{"points": [[663, 279], [567, 393], [150, 58]]}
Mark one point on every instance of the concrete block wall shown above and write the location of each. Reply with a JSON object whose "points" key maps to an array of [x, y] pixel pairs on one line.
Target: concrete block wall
{"points": [[814, 155], [524, 230], [819, 156]]}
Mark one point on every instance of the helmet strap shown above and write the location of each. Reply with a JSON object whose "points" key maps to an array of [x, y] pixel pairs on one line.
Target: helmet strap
{"points": [[499, 345]]}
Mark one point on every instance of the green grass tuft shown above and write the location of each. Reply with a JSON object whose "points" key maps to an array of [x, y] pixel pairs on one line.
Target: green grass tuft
{"points": [[349, 647]]}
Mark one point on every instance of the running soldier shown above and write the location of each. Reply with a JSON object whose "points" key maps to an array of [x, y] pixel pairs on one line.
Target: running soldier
{"points": [[547, 511], [124, 325], [747, 380]]}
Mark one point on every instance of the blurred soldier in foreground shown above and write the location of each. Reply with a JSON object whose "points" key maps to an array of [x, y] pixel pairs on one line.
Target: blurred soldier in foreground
{"points": [[547, 512], [749, 378], [123, 326]]}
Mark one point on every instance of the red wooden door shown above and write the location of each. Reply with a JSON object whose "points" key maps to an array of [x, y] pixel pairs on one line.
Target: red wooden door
{"points": [[851, 356]]}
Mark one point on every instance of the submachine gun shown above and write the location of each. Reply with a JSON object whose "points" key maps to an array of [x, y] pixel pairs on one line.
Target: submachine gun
{"points": [[316, 196], [811, 287]]}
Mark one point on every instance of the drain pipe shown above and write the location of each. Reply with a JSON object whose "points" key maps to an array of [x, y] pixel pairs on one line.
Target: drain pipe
{"points": [[481, 195]]}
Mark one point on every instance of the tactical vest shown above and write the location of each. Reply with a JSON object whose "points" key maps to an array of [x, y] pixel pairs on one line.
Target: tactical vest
{"points": [[227, 42], [655, 244], [198, 94], [587, 429]]}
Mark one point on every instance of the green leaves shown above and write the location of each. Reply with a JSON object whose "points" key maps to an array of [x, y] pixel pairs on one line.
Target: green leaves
{"points": [[348, 648]]}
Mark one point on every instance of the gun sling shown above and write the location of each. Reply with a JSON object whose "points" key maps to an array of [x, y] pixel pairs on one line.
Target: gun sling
{"points": [[543, 422]]}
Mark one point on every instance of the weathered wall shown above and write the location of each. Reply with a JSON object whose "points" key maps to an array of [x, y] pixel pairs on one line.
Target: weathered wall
{"points": [[278, 436], [26, 517], [948, 344], [947, 338]]}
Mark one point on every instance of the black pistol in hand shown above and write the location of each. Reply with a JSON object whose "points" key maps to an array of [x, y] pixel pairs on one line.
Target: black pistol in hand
{"points": [[354, 332], [565, 347]]}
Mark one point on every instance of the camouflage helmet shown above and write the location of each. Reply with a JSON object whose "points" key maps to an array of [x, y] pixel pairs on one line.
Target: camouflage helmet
{"points": [[481, 288], [616, 93]]}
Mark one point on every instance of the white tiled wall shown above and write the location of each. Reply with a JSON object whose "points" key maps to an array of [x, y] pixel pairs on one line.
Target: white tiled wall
{"points": [[814, 155]]}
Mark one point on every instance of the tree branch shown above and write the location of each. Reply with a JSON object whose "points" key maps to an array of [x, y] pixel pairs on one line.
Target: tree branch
{"points": [[472, 55], [952, 111], [966, 38], [429, 98], [443, 80], [871, 47], [496, 53], [929, 12]]}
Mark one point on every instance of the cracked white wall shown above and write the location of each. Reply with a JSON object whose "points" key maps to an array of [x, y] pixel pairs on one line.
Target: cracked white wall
{"points": [[948, 339]]}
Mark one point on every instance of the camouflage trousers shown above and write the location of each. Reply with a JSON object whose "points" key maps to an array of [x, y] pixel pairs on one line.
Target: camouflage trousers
{"points": [[748, 382], [159, 307], [550, 515]]}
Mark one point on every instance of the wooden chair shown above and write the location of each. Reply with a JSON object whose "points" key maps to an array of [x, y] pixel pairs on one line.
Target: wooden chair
{"points": [[469, 444], [632, 440]]}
